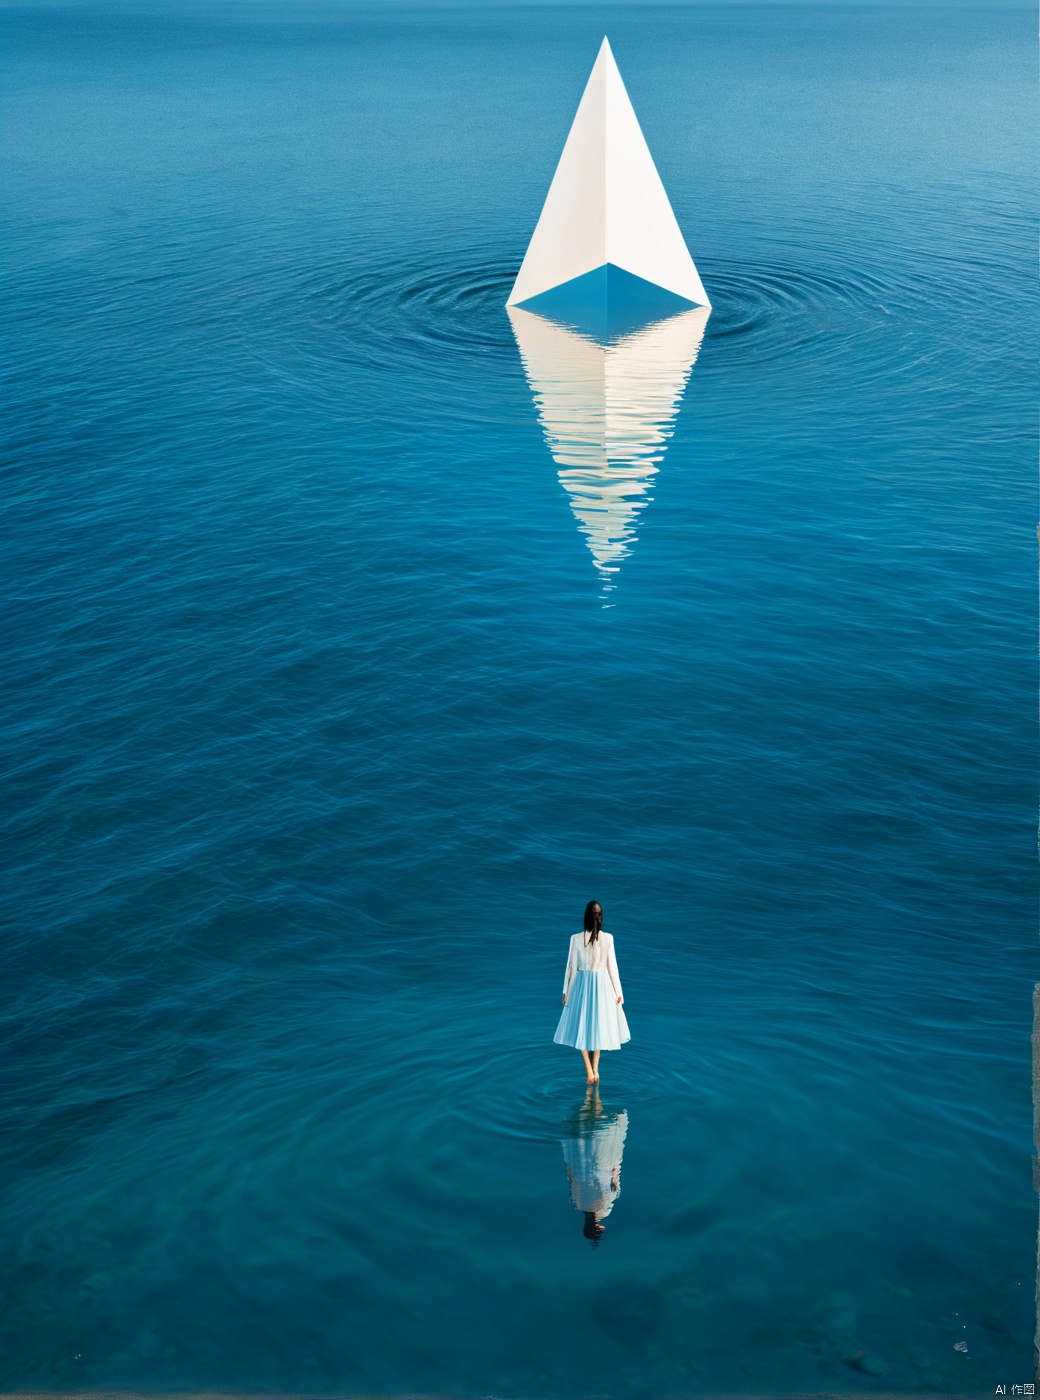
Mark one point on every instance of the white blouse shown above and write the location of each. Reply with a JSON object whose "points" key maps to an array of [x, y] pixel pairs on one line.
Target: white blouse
{"points": [[594, 957]]}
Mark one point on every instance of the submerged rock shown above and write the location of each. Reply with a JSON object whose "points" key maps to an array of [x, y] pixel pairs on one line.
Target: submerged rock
{"points": [[866, 1363], [629, 1315]]}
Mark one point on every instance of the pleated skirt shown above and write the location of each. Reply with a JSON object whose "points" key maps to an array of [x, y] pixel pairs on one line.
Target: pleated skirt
{"points": [[592, 1019]]}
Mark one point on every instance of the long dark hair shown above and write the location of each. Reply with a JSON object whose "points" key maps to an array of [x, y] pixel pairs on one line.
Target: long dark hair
{"points": [[592, 1229], [593, 920]]}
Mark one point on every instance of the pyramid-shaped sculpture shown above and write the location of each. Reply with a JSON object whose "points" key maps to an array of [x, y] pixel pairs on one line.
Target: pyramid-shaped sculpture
{"points": [[607, 251]]}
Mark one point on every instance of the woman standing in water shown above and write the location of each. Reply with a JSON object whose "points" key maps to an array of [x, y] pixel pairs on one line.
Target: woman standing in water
{"points": [[592, 1019]]}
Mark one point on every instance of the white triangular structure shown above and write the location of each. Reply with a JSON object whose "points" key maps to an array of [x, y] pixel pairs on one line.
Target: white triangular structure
{"points": [[607, 412], [606, 204]]}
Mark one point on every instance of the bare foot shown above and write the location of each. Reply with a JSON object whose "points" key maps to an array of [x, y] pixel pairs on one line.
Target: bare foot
{"points": [[591, 1079], [595, 1078]]}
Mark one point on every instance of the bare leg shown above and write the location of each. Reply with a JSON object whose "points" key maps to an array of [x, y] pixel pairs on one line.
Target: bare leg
{"points": [[595, 1064], [589, 1075]]}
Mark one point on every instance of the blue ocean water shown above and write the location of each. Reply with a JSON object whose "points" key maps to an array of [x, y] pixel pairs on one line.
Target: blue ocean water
{"points": [[331, 698]]}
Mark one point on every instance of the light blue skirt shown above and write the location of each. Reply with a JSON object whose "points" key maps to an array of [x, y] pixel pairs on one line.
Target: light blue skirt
{"points": [[592, 1019]]}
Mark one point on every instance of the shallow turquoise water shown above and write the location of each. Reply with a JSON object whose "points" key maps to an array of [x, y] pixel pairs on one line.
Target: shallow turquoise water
{"points": [[322, 724]]}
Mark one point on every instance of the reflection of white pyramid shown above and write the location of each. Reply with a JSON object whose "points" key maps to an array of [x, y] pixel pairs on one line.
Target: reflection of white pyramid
{"points": [[607, 412], [606, 217]]}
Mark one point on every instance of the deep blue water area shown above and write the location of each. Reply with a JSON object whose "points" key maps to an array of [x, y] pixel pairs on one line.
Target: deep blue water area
{"points": [[331, 698]]}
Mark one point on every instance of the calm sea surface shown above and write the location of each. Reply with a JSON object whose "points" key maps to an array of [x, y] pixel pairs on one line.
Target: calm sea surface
{"points": [[341, 672]]}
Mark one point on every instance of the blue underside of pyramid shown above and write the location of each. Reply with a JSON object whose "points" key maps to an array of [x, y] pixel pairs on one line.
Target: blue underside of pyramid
{"points": [[607, 302]]}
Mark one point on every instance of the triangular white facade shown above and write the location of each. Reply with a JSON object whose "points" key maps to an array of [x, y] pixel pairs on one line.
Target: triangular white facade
{"points": [[606, 203], [607, 412]]}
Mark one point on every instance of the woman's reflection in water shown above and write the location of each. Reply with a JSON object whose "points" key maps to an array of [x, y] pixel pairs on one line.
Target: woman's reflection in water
{"points": [[592, 1151]]}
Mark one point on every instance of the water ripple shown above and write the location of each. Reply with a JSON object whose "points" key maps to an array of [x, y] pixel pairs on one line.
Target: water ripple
{"points": [[430, 319]]}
